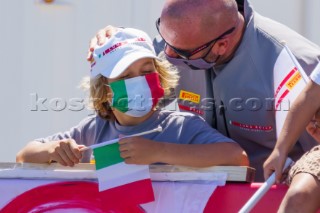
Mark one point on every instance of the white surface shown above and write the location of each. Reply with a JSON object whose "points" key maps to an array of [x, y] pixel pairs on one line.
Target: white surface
{"points": [[168, 197], [88, 172], [120, 174]]}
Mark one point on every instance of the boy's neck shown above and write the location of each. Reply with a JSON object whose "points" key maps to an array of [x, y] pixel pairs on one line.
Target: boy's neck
{"points": [[126, 120]]}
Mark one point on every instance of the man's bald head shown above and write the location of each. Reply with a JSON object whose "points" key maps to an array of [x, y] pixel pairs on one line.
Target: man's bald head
{"points": [[197, 19]]}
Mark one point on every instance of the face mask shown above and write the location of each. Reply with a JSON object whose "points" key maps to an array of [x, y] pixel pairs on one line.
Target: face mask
{"points": [[137, 96], [195, 64]]}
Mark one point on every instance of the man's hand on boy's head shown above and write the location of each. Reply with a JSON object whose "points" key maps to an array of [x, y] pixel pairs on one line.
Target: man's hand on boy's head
{"points": [[100, 39], [66, 152], [138, 150]]}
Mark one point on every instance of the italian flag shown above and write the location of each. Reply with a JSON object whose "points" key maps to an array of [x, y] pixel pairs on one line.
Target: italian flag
{"points": [[127, 92], [121, 183]]}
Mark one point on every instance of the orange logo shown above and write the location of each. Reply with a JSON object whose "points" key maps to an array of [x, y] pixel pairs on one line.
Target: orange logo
{"points": [[189, 96], [293, 80]]}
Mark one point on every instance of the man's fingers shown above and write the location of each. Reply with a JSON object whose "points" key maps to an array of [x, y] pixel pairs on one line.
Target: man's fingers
{"points": [[105, 33], [92, 45], [110, 30], [101, 37]]}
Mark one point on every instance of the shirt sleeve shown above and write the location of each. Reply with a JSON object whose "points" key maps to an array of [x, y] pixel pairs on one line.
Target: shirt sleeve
{"points": [[315, 75], [83, 133], [197, 131]]}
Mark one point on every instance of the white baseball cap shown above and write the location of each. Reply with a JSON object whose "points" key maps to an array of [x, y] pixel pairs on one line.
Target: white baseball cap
{"points": [[121, 50]]}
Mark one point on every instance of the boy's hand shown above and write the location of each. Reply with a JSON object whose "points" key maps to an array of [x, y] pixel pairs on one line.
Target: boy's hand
{"points": [[66, 152], [138, 150]]}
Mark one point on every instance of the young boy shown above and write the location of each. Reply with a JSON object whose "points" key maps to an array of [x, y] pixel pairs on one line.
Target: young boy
{"points": [[304, 177], [127, 81]]}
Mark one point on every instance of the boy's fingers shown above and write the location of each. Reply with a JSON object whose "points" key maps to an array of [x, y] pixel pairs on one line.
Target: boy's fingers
{"points": [[125, 154], [70, 155], [124, 147], [64, 157], [74, 147]]}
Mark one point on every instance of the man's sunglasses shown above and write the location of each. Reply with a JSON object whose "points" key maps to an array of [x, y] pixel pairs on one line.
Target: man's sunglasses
{"points": [[187, 54]]}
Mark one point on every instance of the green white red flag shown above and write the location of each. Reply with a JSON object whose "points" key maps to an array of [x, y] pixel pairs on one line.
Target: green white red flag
{"points": [[119, 181]]}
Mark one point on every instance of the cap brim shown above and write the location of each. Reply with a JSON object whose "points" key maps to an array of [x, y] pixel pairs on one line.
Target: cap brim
{"points": [[126, 61]]}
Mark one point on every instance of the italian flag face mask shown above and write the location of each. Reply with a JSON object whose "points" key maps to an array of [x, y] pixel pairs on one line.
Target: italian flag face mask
{"points": [[137, 96]]}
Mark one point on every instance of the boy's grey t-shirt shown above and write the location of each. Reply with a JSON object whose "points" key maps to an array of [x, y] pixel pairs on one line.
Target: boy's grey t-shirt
{"points": [[177, 127]]}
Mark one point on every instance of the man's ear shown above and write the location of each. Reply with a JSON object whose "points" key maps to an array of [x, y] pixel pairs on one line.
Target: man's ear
{"points": [[222, 46]]}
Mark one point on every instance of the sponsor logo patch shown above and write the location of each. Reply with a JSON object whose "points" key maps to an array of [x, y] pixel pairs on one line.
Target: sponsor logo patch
{"points": [[293, 81], [290, 81], [189, 96]]}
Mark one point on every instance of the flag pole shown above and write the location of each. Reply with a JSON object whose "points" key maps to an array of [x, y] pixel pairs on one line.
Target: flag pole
{"points": [[262, 190], [158, 129], [296, 63]]}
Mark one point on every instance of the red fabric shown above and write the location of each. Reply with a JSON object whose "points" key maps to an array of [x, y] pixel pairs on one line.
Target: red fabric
{"points": [[127, 194], [67, 195], [85, 195], [157, 91], [232, 197]]}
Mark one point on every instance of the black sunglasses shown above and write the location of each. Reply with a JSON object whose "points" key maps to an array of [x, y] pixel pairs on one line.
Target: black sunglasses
{"points": [[187, 54]]}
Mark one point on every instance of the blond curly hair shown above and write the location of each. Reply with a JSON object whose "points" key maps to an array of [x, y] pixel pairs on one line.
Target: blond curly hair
{"points": [[98, 95]]}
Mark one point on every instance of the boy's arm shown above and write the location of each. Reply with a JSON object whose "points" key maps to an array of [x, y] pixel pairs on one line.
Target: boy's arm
{"points": [[66, 152], [137, 150], [300, 114], [60, 147]]}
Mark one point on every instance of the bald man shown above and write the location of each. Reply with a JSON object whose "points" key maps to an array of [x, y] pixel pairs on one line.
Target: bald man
{"points": [[226, 56], [225, 53]]}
